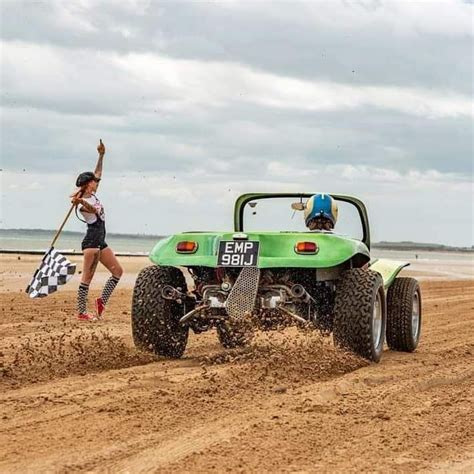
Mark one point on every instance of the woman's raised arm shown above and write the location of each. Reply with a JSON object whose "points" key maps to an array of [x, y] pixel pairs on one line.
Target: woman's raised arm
{"points": [[98, 168]]}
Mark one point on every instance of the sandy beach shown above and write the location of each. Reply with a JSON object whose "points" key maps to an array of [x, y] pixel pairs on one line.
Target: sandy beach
{"points": [[79, 397]]}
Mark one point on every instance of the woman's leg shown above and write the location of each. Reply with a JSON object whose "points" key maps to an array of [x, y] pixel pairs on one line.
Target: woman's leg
{"points": [[91, 259], [109, 260]]}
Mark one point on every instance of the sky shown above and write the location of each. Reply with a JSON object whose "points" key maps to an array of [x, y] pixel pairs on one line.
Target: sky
{"points": [[199, 102]]}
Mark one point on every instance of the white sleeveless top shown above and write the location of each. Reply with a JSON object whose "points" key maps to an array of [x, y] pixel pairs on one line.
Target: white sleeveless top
{"points": [[90, 217]]}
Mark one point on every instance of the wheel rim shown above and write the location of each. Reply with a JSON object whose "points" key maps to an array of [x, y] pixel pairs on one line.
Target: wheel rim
{"points": [[415, 316], [377, 321]]}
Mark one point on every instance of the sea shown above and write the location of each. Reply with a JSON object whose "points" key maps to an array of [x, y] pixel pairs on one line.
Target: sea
{"points": [[36, 240]]}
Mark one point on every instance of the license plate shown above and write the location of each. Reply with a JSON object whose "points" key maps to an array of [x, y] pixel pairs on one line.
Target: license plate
{"points": [[238, 253]]}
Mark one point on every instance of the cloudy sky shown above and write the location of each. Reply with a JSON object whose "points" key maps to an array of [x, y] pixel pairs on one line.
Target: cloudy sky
{"points": [[198, 102]]}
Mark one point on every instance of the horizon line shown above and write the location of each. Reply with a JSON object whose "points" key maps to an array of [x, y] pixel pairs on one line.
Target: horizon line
{"points": [[163, 236]]}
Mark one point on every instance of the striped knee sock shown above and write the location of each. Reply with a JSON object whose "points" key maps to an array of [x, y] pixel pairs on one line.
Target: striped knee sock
{"points": [[82, 293], [109, 287]]}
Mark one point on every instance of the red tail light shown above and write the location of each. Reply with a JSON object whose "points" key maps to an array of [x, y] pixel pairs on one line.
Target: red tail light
{"points": [[187, 246], [306, 247]]}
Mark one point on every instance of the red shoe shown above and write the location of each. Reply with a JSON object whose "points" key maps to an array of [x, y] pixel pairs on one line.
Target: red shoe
{"points": [[99, 307], [86, 317]]}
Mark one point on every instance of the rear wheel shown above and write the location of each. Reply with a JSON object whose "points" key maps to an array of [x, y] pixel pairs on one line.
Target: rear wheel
{"points": [[155, 320], [403, 315], [360, 313]]}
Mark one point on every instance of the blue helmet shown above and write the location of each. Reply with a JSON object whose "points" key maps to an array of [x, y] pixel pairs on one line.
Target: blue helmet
{"points": [[320, 205]]}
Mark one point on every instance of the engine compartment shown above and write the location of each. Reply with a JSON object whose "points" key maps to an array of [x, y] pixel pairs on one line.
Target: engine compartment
{"points": [[282, 297]]}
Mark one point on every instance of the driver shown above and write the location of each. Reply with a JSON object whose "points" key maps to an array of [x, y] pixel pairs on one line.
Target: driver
{"points": [[320, 212]]}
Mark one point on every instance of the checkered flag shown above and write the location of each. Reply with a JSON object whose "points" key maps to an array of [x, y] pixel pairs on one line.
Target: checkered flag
{"points": [[55, 270]]}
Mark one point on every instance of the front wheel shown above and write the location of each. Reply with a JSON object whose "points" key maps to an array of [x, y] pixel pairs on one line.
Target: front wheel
{"points": [[404, 315], [360, 313]]}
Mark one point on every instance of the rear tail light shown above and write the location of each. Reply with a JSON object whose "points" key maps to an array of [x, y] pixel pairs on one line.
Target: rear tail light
{"points": [[187, 246], [306, 247]]}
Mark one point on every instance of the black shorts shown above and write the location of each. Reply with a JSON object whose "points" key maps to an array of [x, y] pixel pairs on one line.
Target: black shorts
{"points": [[95, 236]]}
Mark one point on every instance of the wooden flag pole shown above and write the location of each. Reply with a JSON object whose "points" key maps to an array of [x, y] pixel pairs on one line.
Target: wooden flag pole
{"points": [[56, 237]]}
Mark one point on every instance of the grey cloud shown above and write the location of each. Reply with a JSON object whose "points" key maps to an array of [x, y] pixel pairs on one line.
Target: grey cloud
{"points": [[238, 140], [289, 43], [362, 137]]}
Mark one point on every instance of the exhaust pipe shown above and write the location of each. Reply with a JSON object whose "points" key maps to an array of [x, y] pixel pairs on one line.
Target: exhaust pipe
{"points": [[298, 291]]}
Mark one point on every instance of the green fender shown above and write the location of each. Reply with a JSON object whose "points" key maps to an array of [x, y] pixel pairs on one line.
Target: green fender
{"points": [[277, 249], [389, 269]]}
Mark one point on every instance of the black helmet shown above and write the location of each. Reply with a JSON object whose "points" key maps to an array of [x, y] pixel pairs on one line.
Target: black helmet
{"points": [[85, 177]]}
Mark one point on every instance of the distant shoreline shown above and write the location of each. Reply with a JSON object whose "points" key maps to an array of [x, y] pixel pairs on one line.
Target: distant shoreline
{"points": [[72, 233], [145, 254], [384, 245], [66, 252], [44, 235], [415, 246]]}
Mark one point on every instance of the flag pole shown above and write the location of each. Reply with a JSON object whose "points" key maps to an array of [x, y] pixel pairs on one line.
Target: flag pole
{"points": [[56, 237]]}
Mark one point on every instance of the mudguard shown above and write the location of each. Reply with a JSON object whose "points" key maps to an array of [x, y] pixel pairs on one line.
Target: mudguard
{"points": [[389, 269], [277, 249]]}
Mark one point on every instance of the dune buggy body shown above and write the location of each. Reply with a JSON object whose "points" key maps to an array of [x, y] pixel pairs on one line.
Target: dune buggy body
{"points": [[238, 278]]}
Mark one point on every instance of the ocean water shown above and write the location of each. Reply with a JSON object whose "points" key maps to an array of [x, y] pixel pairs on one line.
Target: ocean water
{"points": [[40, 240], [422, 255]]}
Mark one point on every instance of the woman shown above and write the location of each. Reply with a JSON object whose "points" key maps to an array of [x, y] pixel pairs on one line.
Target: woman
{"points": [[94, 247]]}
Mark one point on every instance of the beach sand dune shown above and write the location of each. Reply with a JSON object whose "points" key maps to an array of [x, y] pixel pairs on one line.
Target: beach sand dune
{"points": [[79, 397]]}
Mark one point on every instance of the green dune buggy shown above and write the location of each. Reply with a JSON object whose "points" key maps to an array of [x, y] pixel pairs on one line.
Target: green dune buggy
{"points": [[231, 280]]}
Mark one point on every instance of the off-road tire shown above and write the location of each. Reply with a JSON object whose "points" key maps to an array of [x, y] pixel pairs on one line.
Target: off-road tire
{"points": [[356, 294], [234, 334], [400, 304], [155, 320]]}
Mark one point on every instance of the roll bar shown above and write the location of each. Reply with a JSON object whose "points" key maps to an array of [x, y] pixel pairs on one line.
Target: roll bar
{"points": [[246, 198]]}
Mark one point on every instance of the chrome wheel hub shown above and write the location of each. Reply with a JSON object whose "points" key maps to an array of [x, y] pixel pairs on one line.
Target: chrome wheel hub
{"points": [[415, 316], [377, 321]]}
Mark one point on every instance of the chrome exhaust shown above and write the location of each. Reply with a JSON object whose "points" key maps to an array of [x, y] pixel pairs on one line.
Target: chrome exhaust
{"points": [[299, 292]]}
